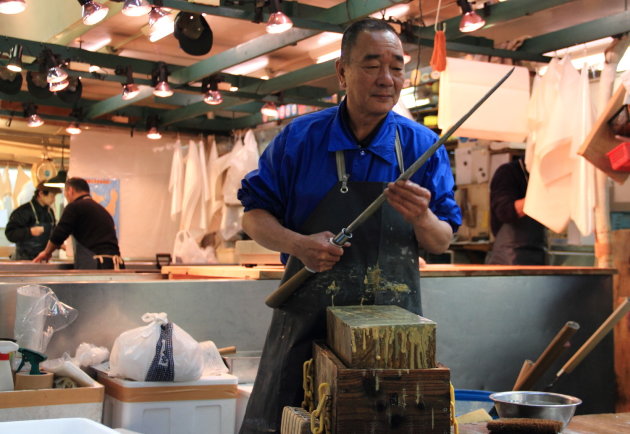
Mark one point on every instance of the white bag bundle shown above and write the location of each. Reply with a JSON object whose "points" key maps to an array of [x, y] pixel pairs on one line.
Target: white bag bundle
{"points": [[159, 351]]}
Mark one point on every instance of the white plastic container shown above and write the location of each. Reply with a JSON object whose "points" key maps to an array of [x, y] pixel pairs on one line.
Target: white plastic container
{"points": [[56, 426], [244, 392], [206, 406]]}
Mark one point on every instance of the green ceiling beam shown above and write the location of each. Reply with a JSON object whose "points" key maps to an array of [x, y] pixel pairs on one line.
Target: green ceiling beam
{"points": [[350, 10], [197, 109], [293, 79], [116, 103], [499, 12], [241, 53], [78, 29], [590, 31]]}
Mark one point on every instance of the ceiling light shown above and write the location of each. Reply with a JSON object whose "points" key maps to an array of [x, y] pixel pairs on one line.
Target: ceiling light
{"points": [[470, 21], [153, 127], [157, 16], [130, 91], [57, 86], [161, 87], [161, 24], [73, 128], [59, 180], [210, 86], [12, 7], [15, 58], [233, 88], [30, 113], [92, 12], [269, 110], [136, 8], [56, 74], [278, 22]]}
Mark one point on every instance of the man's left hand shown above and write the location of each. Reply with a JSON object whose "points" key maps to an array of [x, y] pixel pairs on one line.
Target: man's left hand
{"points": [[409, 199]]}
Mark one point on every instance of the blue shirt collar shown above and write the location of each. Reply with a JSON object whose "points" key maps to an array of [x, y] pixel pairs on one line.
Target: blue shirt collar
{"points": [[382, 145]]}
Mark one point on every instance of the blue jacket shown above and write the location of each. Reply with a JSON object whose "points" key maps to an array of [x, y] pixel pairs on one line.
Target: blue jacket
{"points": [[298, 167]]}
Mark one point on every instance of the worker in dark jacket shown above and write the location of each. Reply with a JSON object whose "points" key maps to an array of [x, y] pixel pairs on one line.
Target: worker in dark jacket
{"points": [[31, 224], [519, 239], [91, 225]]}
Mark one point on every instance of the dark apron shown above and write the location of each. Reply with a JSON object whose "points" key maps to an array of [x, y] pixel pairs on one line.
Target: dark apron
{"points": [[381, 267], [519, 243], [83, 257], [27, 250]]}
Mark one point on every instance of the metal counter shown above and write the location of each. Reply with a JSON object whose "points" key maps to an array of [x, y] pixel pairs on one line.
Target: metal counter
{"points": [[487, 325]]}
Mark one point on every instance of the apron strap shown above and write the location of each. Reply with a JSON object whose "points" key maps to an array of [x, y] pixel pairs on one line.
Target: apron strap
{"points": [[117, 260], [342, 174], [34, 213]]}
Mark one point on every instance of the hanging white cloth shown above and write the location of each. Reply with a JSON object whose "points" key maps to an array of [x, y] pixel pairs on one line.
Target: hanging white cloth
{"points": [[5, 189], [549, 188], [21, 180], [583, 174], [192, 187], [203, 184], [176, 181]]}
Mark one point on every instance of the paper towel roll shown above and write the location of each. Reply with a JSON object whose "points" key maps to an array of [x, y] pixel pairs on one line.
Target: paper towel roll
{"points": [[30, 316]]}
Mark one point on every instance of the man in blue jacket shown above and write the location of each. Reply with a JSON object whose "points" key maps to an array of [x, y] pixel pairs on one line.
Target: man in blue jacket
{"points": [[315, 177]]}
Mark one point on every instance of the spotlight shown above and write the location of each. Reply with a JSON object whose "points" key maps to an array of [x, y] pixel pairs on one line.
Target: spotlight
{"points": [[32, 118], [278, 21], [153, 130], [130, 89], [160, 81], [55, 71], [73, 128], [269, 110], [15, 58], [92, 12], [136, 8], [157, 16], [59, 85], [11, 7], [470, 21], [211, 94]]}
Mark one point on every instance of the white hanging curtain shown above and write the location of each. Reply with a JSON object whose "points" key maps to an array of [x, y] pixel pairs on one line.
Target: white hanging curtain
{"points": [[5, 189], [21, 181], [192, 187], [176, 181]]}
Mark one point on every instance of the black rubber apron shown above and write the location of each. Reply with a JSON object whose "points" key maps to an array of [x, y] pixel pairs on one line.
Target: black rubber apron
{"points": [[28, 249], [381, 267]]}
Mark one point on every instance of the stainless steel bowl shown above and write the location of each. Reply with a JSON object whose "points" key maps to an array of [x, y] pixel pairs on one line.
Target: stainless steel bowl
{"points": [[536, 405]]}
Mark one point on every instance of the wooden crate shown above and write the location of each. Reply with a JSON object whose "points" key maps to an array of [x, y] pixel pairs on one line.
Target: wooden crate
{"points": [[383, 400], [381, 337]]}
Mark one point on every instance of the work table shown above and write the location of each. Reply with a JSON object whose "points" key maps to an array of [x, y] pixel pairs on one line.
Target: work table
{"points": [[608, 423]]}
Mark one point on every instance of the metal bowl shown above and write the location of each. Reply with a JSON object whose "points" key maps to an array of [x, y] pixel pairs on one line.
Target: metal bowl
{"points": [[536, 405]]}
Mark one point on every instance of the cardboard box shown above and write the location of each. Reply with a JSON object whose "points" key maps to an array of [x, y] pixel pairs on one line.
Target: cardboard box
{"points": [[85, 402]]}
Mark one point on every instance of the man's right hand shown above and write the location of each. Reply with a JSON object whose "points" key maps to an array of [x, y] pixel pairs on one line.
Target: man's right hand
{"points": [[42, 257], [36, 231], [317, 253]]}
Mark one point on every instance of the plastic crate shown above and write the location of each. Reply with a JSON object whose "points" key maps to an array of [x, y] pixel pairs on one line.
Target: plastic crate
{"points": [[619, 157], [205, 406], [471, 400]]}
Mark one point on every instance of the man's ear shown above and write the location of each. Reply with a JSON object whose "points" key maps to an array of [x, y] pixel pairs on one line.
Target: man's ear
{"points": [[341, 73]]}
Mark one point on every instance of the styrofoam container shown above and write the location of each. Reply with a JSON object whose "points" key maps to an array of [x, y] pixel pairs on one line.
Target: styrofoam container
{"points": [[471, 400], [205, 406], [56, 426], [244, 392]]}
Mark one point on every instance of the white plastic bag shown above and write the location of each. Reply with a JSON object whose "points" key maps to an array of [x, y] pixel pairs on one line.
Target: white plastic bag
{"points": [[159, 351], [187, 251]]}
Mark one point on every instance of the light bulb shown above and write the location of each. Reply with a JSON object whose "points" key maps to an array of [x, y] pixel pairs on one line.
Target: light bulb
{"points": [[93, 12], [278, 23], [34, 121], [154, 134], [162, 89], [73, 128], [213, 97], [136, 8], [11, 7]]}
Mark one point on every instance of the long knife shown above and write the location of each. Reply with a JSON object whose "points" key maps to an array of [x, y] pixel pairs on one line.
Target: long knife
{"points": [[279, 296]]}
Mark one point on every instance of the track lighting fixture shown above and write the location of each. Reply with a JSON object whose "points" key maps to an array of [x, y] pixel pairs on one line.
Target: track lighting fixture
{"points": [[58, 86], [211, 95], [269, 109], [158, 16], [136, 8], [130, 89], [92, 12], [59, 180], [55, 72], [470, 21], [12, 7], [161, 87], [32, 118], [153, 127], [74, 128], [15, 58], [278, 22]]}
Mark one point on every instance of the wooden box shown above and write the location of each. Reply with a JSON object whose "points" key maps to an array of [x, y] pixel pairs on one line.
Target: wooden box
{"points": [[382, 400], [381, 337]]}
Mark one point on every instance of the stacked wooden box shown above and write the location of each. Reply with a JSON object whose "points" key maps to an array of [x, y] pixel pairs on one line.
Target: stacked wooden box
{"points": [[380, 366]]}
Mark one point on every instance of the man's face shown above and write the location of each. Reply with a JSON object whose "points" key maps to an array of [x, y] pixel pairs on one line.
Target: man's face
{"points": [[374, 75]]}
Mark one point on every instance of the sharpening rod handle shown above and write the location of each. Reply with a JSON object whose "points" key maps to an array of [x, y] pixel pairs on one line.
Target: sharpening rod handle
{"points": [[599, 334], [278, 297]]}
